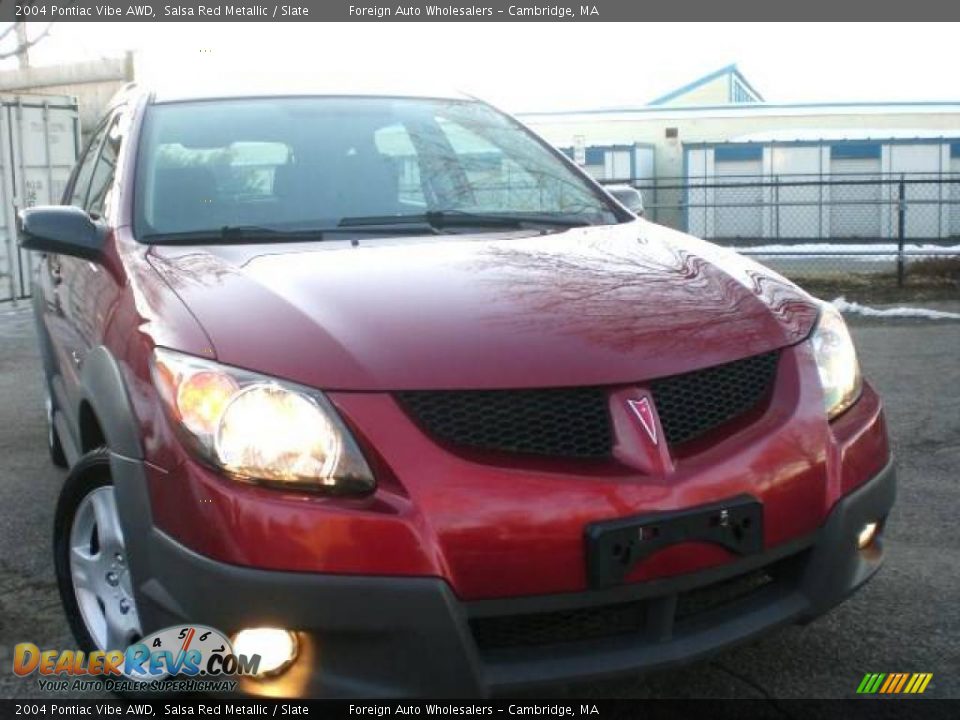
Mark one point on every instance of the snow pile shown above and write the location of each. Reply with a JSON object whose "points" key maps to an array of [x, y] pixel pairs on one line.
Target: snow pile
{"points": [[844, 306], [867, 251]]}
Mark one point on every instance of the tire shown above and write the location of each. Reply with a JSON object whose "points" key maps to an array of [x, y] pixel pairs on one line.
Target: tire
{"points": [[90, 559], [57, 456]]}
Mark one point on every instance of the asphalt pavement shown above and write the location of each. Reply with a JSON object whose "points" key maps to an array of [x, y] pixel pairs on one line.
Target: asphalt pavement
{"points": [[906, 620]]}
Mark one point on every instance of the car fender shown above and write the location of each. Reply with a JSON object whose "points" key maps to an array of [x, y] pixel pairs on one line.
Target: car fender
{"points": [[104, 390]]}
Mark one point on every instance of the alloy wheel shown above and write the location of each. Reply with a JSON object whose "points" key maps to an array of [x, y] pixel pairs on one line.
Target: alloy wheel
{"points": [[100, 574]]}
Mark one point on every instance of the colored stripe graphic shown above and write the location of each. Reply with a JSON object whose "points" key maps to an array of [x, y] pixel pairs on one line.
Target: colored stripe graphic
{"points": [[892, 679], [894, 683], [901, 682]]}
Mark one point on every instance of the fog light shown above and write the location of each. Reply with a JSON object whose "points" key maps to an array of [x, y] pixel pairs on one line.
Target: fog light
{"points": [[277, 648], [867, 535]]}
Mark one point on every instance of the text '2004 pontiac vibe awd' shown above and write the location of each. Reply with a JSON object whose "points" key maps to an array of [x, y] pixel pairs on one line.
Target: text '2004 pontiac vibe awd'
{"points": [[388, 388]]}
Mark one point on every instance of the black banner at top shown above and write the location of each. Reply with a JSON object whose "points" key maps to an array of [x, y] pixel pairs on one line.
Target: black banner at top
{"points": [[471, 10]]}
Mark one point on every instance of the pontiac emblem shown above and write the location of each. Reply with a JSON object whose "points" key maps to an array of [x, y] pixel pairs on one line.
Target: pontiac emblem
{"points": [[644, 412]]}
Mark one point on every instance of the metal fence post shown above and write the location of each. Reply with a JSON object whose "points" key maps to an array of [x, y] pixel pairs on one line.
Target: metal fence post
{"points": [[776, 206], [820, 187], [901, 230]]}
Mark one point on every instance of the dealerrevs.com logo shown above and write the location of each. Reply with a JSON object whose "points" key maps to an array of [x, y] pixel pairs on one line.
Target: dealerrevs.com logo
{"points": [[191, 658]]}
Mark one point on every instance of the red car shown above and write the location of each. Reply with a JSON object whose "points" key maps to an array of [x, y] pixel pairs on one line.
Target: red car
{"points": [[388, 390]]}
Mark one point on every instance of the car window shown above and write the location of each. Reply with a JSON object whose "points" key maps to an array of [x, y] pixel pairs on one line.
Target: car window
{"points": [[314, 163], [81, 182], [495, 181], [105, 170], [395, 143], [242, 170]]}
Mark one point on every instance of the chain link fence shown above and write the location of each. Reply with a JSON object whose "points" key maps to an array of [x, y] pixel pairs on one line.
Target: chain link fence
{"points": [[818, 226], [836, 228]]}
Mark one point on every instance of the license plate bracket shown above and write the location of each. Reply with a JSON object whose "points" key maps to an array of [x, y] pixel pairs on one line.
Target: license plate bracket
{"points": [[614, 547]]}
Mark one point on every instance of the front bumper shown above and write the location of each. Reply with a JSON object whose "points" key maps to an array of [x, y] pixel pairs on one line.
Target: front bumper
{"points": [[403, 636]]}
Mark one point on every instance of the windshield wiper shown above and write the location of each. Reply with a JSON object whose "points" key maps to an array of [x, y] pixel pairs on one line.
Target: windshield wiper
{"points": [[441, 219], [229, 234], [457, 218], [428, 223], [238, 234]]}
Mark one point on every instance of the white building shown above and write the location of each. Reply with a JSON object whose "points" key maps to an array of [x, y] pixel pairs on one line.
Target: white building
{"points": [[806, 170]]}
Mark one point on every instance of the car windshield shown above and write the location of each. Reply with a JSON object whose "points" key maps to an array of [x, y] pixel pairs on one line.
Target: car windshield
{"points": [[250, 168]]}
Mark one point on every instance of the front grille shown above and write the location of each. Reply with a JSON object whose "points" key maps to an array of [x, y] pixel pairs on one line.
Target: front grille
{"points": [[782, 575], [720, 594], [569, 423], [629, 619], [561, 626], [575, 422], [693, 404]]}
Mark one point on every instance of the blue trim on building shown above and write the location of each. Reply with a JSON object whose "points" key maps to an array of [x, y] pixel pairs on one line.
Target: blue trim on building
{"points": [[826, 142], [699, 82], [757, 97], [731, 71], [950, 104], [739, 92], [855, 151], [597, 154], [737, 153], [955, 150]]}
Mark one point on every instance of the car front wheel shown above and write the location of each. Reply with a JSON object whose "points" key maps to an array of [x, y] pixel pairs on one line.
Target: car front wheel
{"points": [[91, 559]]}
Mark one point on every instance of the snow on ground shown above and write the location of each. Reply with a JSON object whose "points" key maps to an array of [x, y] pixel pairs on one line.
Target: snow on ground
{"points": [[845, 306], [871, 251]]}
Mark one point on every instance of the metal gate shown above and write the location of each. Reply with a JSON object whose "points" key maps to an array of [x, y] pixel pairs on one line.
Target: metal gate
{"points": [[39, 144]]}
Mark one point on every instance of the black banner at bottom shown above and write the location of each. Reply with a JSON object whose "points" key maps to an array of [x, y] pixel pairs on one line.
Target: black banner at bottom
{"points": [[184, 706]]}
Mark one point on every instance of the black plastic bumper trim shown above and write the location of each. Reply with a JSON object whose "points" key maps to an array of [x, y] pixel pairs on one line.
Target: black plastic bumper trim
{"points": [[401, 636]]}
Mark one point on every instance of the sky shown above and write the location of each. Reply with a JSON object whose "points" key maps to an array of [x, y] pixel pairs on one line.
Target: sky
{"points": [[543, 66]]}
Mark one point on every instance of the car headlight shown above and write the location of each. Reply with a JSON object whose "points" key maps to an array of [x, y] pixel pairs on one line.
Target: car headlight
{"points": [[258, 428], [836, 361]]}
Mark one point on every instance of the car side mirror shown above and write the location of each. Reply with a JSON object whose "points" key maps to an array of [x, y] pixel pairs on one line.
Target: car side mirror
{"points": [[60, 229], [629, 197]]}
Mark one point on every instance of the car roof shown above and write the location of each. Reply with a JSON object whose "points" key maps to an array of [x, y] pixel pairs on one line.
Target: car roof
{"points": [[280, 87]]}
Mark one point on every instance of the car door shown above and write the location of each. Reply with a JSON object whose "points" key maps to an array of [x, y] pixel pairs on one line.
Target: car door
{"points": [[49, 280], [85, 291]]}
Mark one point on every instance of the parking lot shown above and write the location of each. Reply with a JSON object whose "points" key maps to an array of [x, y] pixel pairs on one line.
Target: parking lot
{"points": [[906, 620]]}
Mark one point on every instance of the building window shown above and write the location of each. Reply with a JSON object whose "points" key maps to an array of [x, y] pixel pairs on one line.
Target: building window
{"points": [[596, 155], [738, 153], [855, 151]]}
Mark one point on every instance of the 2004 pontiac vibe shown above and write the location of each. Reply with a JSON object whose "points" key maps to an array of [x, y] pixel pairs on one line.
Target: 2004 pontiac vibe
{"points": [[390, 390]]}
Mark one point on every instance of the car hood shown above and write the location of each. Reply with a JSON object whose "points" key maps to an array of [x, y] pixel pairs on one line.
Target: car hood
{"points": [[588, 306]]}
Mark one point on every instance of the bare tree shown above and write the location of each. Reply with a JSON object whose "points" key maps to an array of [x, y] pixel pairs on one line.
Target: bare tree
{"points": [[21, 47]]}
